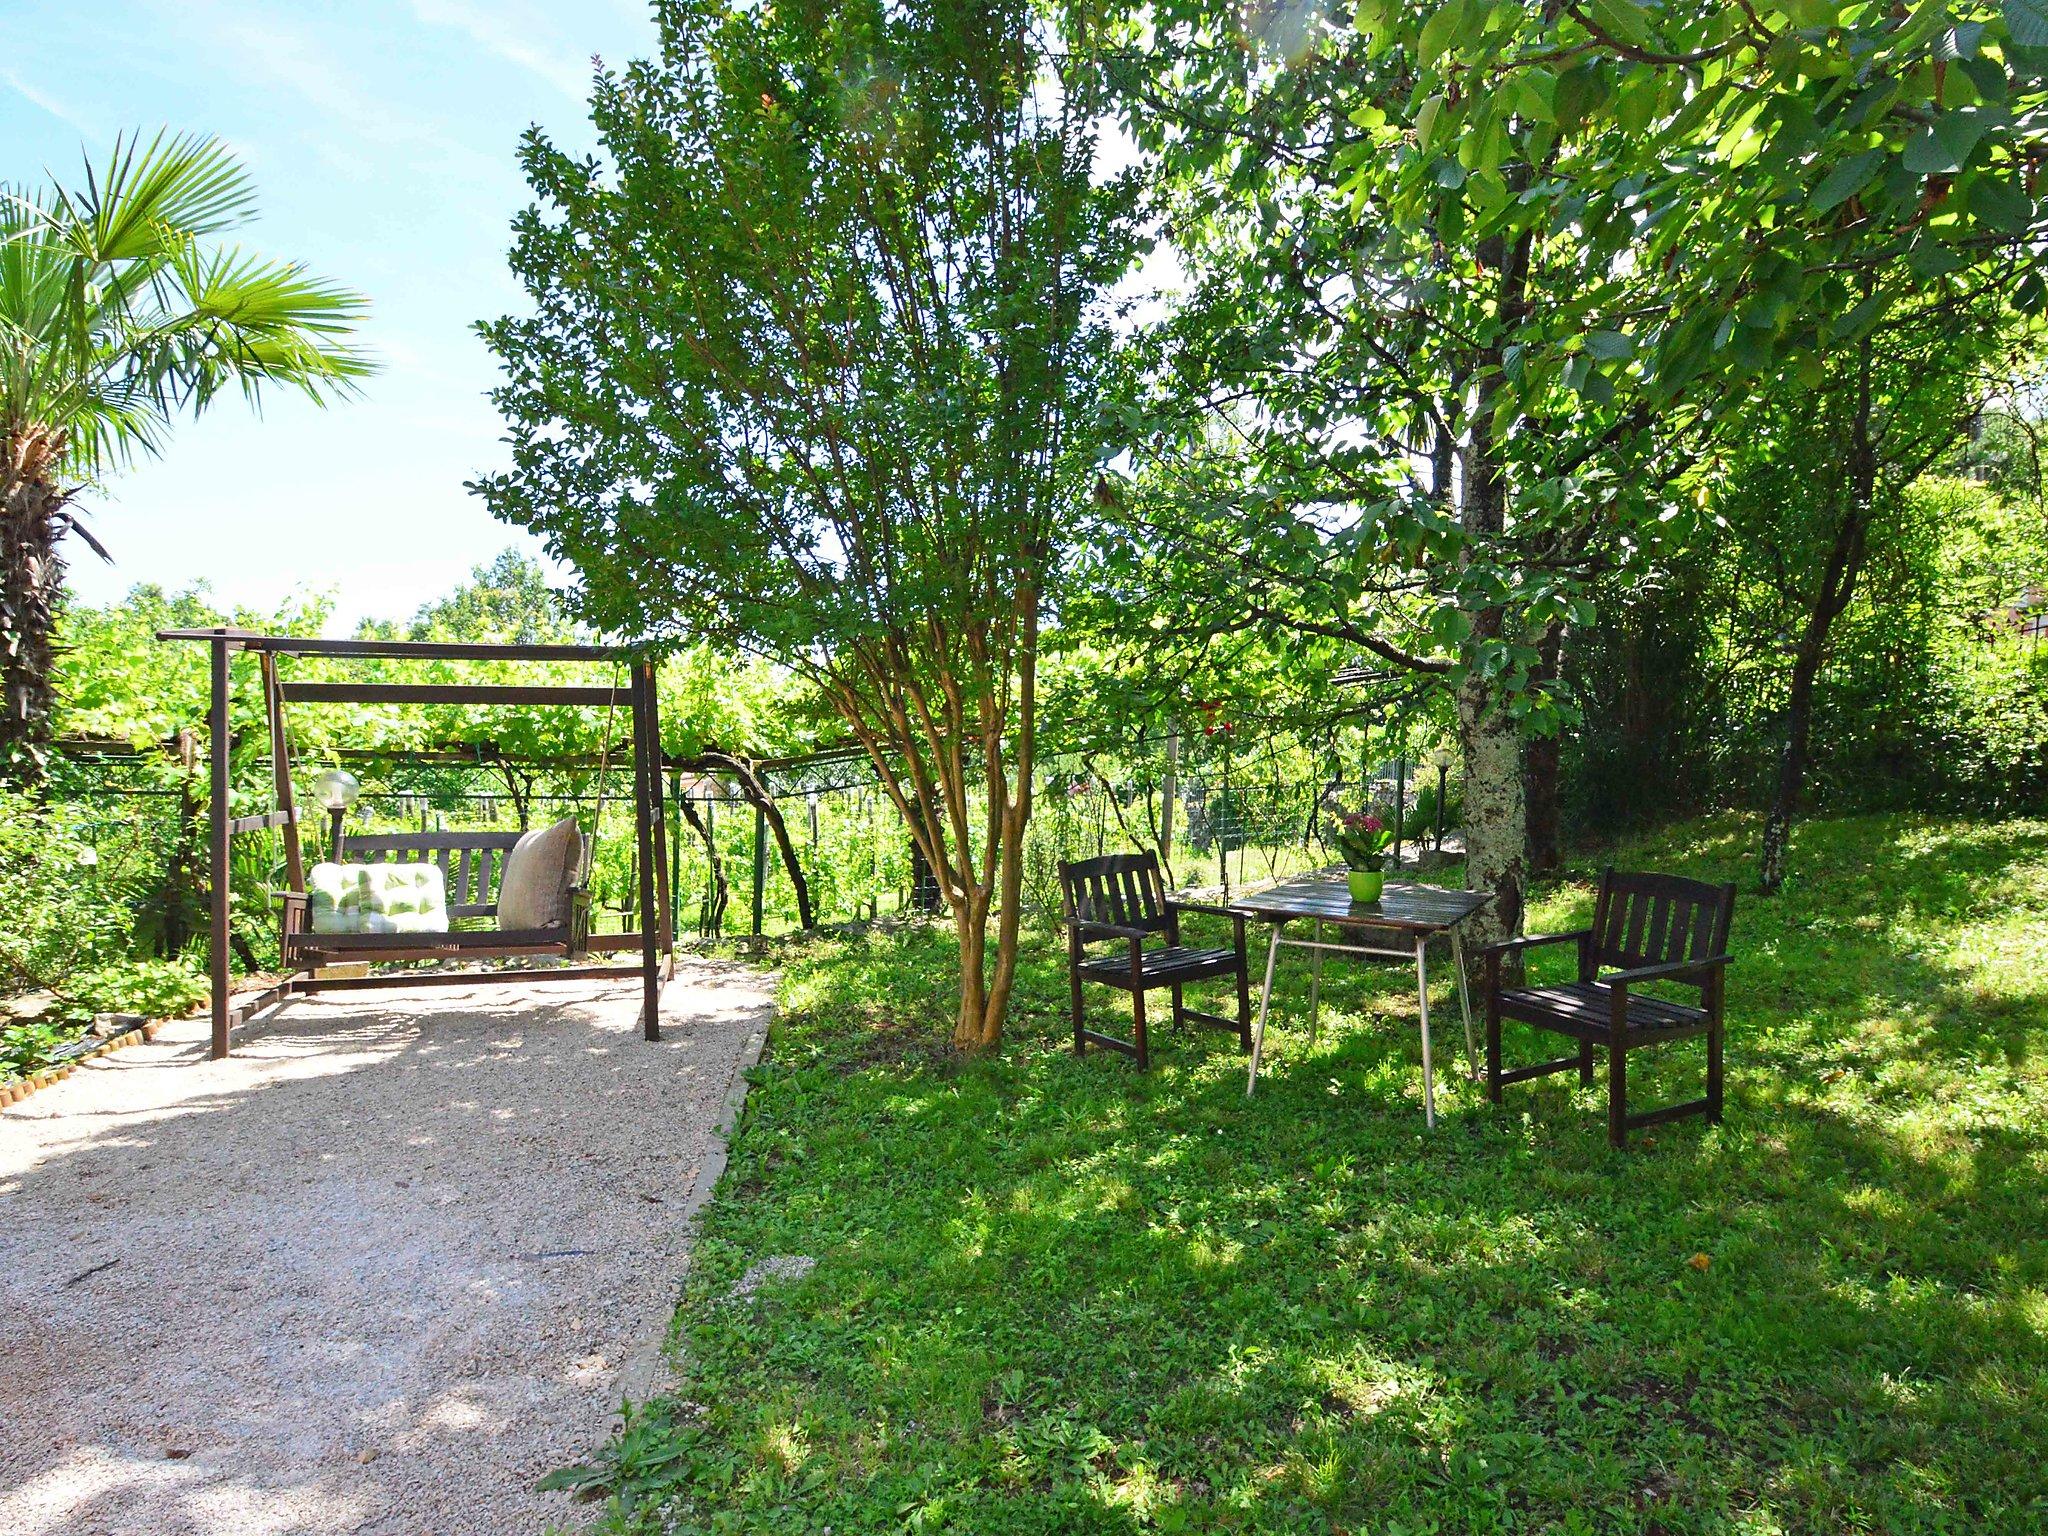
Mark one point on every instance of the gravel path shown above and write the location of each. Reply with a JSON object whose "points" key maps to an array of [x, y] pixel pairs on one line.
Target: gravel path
{"points": [[379, 1271]]}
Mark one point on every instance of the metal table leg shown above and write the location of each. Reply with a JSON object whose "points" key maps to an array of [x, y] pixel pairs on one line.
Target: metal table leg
{"points": [[1315, 987], [1428, 1066], [1465, 1004], [1265, 1002]]}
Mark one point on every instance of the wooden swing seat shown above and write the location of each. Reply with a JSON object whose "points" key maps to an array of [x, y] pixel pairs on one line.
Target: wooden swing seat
{"points": [[472, 866]]}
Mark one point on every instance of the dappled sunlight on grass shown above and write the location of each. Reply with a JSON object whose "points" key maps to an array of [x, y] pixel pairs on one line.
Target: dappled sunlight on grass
{"points": [[1056, 1295]]}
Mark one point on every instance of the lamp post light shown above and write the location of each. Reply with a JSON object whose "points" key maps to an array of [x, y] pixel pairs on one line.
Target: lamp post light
{"points": [[336, 790], [1440, 759]]}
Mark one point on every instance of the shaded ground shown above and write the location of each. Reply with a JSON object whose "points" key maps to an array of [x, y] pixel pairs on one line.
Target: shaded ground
{"points": [[382, 1270]]}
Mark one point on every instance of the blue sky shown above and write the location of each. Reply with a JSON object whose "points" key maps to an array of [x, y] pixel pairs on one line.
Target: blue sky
{"points": [[382, 137]]}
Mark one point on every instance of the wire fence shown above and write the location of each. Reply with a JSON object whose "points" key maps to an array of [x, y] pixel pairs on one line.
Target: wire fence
{"points": [[1225, 813]]}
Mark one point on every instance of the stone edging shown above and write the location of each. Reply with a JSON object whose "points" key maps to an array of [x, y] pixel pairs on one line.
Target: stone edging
{"points": [[21, 1088], [642, 1372]]}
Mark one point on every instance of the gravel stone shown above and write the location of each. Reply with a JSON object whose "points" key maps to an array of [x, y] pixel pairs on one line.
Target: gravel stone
{"points": [[776, 1267], [378, 1272]]}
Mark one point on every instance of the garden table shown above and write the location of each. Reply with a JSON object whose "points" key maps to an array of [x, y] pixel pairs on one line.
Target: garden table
{"points": [[1398, 926]]}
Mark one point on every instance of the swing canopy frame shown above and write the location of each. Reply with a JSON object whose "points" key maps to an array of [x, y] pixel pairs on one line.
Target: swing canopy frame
{"points": [[469, 860]]}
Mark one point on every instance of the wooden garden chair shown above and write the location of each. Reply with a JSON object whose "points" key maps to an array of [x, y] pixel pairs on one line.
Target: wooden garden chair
{"points": [[1646, 928], [1121, 897]]}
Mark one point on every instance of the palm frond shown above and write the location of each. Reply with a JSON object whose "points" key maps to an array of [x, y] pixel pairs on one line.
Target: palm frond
{"points": [[117, 311], [171, 190], [73, 523], [254, 323]]}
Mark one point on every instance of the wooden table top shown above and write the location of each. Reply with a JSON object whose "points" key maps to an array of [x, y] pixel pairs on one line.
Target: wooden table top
{"points": [[1409, 908]]}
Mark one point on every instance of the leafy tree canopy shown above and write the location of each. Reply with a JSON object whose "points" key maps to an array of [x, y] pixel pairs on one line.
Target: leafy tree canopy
{"points": [[818, 369]]}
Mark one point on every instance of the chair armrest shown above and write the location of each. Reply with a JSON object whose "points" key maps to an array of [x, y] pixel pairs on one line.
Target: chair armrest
{"points": [[1532, 940], [1676, 970], [1203, 906], [1237, 918], [1094, 930]]}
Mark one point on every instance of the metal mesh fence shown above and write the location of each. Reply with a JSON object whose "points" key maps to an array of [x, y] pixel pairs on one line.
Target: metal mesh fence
{"points": [[1226, 813]]}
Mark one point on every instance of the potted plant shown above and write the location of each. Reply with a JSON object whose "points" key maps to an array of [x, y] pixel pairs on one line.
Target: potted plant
{"points": [[1363, 840]]}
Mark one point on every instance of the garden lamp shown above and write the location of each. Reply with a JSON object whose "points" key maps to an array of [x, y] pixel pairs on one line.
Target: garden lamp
{"points": [[1440, 760], [336, 790]]}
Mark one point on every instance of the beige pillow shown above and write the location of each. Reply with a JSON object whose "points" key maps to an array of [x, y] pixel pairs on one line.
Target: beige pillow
{"points": [[538, 873]]}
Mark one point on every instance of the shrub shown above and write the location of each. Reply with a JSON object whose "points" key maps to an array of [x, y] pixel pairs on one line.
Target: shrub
{"points": [[156, 989], [27, 1047], [69, 926], [61, 911]]}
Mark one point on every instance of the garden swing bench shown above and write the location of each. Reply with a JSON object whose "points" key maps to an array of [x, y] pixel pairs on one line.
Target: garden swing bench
{"points": [[471, 863]]}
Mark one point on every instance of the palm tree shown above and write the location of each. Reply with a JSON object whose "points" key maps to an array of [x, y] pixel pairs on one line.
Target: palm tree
{"points": [[119, 312]]}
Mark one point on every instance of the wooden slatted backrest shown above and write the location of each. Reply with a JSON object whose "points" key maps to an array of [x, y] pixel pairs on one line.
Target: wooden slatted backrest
{"points": [[1647, 919], [1120, 888], [472, 863]]}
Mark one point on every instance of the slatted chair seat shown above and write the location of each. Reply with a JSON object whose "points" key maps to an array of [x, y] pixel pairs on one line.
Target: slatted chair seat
{"points": [[1646, 928], [1585, 1009], [1121, 898], [1161, 967]]}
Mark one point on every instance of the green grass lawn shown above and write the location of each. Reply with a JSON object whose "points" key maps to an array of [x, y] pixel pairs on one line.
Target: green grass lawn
{"points": [[1051, 1295]]}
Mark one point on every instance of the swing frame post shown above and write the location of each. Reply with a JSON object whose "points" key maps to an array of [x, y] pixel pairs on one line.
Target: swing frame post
{"points": [[219, 839], [470, 858], [646, 815]]}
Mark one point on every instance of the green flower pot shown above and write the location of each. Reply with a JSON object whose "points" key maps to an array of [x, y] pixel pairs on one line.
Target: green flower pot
{"points": [[1366, 884]]}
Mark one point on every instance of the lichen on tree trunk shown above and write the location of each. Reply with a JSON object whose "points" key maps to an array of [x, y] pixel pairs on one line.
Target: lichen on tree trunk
{"points": [[1495, 817]]}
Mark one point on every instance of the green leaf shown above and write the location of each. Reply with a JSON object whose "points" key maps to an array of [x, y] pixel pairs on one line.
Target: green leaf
{"points": [[1846, 179], [1636, 102], [1439, 31], [1425, 121], [1625, 20], [1863, 316], [1931, 258], [1609, 346], [1450, 625], [1941, 148], [1538, 96], [1988, 75], [2027, 21], [1960, 41], [2001, 203], [1581, 91]]}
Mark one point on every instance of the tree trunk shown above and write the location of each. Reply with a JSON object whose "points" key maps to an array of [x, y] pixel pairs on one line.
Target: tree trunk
{"points": [[31, 581], [1496, 813], [1496, 810], [1792, 758], [971, 1030], [758, 797], [1544, 752], [714, 908], [1837, 586]]}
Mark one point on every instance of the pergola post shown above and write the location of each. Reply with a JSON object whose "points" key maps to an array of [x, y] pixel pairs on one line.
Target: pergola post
{"points": [[217, 829], [760, 866], [646, 791], [657, 824]]}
